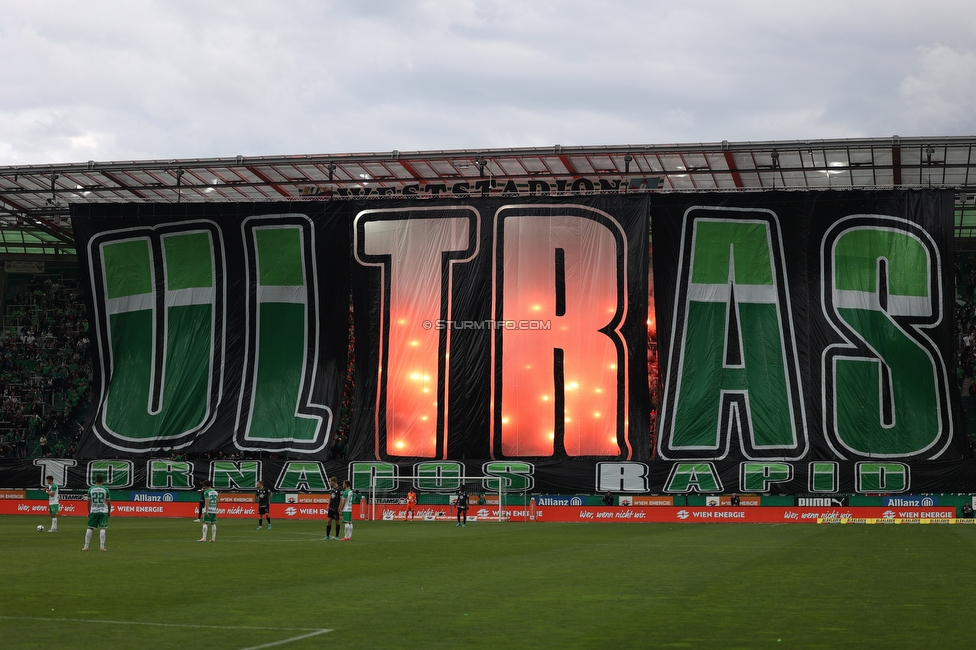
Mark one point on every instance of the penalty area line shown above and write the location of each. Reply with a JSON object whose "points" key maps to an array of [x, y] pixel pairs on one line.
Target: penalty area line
{"points": [[314, 630]]}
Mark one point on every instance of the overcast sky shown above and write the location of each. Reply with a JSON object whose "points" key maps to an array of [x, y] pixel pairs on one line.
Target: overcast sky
{"points": [[140, 80]]}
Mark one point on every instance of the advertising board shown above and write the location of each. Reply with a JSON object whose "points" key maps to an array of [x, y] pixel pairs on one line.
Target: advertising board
{"points": [[671, 514], [174, 509]]}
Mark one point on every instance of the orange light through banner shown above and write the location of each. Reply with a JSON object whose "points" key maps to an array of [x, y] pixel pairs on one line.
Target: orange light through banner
{"points": [[563, 362], [414, 253]]}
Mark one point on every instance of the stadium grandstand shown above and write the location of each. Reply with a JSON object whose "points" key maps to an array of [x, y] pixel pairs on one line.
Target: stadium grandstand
{"points": [[45, 356]]}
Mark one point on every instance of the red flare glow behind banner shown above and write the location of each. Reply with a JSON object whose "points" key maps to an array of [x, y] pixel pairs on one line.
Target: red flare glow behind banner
{"points": [[559, 386], [503, 330]]}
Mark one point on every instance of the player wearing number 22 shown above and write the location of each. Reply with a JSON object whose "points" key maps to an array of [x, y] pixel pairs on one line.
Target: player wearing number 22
{"points": [[99, 506], [211, 500]]}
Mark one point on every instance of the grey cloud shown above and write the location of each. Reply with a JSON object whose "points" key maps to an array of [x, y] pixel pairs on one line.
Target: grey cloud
{"points": [[147, 79]]}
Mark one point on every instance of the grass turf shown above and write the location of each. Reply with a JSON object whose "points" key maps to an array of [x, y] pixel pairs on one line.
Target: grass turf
{"points": [[487, 585]]}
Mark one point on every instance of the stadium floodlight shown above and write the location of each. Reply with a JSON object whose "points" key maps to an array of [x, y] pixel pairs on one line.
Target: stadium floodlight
{"points": [[179, 180]]}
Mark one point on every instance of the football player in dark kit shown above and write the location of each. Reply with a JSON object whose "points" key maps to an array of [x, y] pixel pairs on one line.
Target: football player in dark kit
{"points": [[263, 496], [462, 507], [200, 505], [335, 498]]}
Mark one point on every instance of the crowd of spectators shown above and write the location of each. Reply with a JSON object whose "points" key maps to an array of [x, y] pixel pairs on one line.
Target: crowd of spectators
{"points": [[45, 369], [341, 444], [652, 360], [966, 316], [966, 337]]}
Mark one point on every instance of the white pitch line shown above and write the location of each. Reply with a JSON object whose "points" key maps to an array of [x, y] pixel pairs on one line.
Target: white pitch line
{"points": [[236, 538], [210, 627], [283, 641]]}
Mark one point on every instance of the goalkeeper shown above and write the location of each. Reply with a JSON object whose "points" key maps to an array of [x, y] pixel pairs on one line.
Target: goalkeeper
{"points": [[462, 506]]}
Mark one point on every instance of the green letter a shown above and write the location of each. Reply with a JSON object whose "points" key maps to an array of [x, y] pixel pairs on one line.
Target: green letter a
{"points": [[732, 371]]}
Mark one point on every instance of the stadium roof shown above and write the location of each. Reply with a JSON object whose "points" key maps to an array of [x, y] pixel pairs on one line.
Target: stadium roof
{"points": [[34, 199]]}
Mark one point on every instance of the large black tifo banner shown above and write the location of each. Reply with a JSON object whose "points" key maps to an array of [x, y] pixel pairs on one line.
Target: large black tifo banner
{"points": [[806, 343], [805, 340]]}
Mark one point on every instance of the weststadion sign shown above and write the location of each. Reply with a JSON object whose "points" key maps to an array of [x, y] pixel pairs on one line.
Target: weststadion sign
{"points": [[484, 187], [805, 340]]}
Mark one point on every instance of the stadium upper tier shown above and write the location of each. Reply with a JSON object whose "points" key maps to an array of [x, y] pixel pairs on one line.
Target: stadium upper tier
{"points": [[37, 196]]}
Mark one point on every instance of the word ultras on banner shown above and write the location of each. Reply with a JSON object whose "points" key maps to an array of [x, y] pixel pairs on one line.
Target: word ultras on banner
{"points": [[805, 339]]}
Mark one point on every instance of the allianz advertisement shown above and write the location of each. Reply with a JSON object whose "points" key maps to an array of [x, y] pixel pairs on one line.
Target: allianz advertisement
{"points": [[911, 501]]}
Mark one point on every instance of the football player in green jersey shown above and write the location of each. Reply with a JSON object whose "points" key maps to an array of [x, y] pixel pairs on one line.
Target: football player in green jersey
{"points": [[212, 500], [99, 506], [52, 503], [347, 510]]}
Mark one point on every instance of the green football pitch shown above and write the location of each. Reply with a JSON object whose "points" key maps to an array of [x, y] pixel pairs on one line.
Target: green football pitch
{"points": [[419, 585]]}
